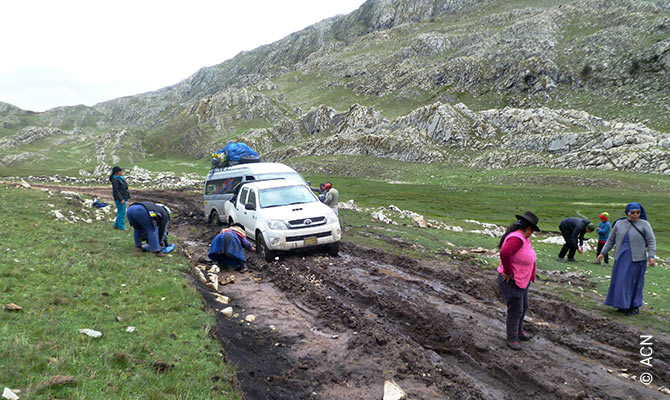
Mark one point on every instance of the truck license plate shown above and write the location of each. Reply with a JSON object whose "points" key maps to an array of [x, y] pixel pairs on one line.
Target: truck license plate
{"points": [[310, 241]]}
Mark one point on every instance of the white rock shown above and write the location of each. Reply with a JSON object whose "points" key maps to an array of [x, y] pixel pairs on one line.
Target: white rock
{"points": [[27, 186], [222, 299], [91, 333], [9, 395], [250, 318], [214, 270], [59, 215], [131, 329], [393, 392], [227, 312]]}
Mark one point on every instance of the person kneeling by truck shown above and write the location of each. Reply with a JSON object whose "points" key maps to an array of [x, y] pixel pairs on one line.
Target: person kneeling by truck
{"points": [[227, 248]]}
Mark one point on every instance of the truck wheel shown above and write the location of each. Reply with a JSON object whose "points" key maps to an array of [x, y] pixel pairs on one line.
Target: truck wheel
{"points": [[334, 249], [214, 218], [263, 250]]}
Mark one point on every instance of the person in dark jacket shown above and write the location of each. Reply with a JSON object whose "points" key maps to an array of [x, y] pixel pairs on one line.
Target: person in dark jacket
{"points": [[227, 248], [121, 196], [150, 223], [573, 230]]}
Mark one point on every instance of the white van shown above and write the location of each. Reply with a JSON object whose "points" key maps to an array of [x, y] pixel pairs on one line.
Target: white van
{"points": [[220, 183]]}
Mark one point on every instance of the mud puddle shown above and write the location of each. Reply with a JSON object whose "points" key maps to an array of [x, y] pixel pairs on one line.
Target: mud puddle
{"points": [[338, 327]]}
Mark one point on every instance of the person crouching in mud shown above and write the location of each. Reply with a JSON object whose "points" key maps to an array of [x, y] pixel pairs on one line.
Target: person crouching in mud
{"points": [[227, 248], [515, 272]]}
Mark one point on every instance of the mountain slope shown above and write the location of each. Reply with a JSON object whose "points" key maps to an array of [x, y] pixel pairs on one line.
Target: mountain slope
{"points": [[537, 58]]}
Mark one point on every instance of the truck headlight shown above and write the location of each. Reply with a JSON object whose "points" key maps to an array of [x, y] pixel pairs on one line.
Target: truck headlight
{"points": [[331, 218], [277, 225]]}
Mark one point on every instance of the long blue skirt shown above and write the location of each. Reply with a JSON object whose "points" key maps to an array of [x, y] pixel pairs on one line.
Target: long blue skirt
{"points": [[627, 280]]}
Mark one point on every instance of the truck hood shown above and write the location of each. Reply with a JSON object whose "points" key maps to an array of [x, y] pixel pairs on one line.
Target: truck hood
{"points": [[296, 211]]}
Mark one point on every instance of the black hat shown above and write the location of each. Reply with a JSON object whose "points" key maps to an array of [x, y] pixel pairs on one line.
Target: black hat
{"points": [[530, 218], [116, 169]]}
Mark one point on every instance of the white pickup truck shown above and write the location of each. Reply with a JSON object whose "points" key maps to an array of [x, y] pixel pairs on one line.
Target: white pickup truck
{"points": [[282, 215]]}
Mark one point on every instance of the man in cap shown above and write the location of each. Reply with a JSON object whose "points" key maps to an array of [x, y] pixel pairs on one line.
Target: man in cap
{"points": [[332, 197], [573, 230]]}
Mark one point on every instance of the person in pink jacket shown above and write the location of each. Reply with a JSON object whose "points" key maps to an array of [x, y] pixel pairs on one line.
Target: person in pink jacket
{"points": [[516, 271]]}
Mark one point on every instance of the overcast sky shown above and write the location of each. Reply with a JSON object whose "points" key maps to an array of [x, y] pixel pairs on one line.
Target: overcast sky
{"points": [[57, 53]]}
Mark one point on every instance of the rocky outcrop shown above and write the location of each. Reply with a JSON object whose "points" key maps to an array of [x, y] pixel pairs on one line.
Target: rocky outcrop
{"points": [[29, 135]]}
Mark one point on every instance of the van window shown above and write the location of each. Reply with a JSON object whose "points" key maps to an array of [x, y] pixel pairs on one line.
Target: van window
{"points": [[221, 186], [243, 195], [251, 178], [252, 198]]}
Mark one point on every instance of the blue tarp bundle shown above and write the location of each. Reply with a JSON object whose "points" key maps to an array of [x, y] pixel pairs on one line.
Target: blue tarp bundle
{"points": [[235, 151]]}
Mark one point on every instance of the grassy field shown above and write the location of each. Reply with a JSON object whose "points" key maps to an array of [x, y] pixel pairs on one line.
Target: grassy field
{"points": [[453, 195], [74, 276]]}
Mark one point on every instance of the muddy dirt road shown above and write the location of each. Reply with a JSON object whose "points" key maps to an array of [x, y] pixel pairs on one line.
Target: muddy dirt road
{"points": [[337, 328]]}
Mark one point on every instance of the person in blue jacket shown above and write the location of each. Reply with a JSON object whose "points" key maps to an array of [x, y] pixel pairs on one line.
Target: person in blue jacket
{"points": [[121, 196], [227, 248], [603, 231]]}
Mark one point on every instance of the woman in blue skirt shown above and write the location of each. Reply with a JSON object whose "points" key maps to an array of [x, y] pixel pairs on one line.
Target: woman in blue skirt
{"points": [[632, 237]]}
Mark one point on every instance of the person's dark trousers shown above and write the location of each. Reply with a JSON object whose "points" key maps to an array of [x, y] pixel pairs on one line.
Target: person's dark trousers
{"points": [[517, 305], [567, 248], [600, 247]]}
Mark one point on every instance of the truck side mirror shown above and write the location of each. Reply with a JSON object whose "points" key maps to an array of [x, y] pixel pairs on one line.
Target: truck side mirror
{"points": [[250, 206]]}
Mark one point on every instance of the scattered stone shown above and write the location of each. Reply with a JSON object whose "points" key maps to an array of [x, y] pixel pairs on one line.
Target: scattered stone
{"points": [[393, 392], [13, 307], [118, 319], [419, 221], [52, 360], [25, 184], [221, 298], [90, 332], [9, 394], [227, 312], [224, 280], [250, 318], [131, 329]]}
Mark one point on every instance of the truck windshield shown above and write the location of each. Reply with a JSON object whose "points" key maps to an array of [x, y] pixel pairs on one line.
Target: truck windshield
{"points": [[291, 176], [283, 196]]}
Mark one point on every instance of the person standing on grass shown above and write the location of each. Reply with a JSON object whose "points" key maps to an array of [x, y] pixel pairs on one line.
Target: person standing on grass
{"points": [[603, 231], [332, 197], [121, 196], [227, 248], [632, 237], [515, 272], [573, 230]]}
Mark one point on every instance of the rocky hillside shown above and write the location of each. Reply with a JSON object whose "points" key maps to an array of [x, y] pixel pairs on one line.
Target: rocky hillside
{"points": [[485, 83]]}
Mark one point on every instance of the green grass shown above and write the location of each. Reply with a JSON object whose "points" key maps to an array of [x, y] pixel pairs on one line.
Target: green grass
{"points": [[453, 195], [73, 276]]}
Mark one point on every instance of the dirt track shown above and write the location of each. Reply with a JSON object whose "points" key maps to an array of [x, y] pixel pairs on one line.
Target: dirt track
{"points": [[344, 325]]}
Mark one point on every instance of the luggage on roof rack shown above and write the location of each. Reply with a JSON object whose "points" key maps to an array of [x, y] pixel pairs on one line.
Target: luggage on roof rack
{"points": [[234, 153]]}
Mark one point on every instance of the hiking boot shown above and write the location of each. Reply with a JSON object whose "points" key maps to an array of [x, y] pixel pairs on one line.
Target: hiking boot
{"points": [[571, 260], [243, 269], [560, 259], [525, 336], [513, 345]]}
